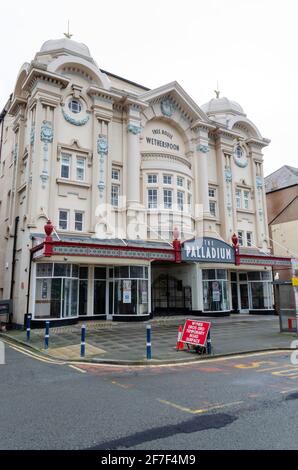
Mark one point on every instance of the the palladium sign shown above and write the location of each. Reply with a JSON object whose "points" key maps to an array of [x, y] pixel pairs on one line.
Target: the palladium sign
{"points": [[208, 250]]}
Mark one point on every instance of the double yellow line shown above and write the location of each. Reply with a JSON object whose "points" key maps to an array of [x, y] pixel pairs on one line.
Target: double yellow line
{"points": [[41, 358]]}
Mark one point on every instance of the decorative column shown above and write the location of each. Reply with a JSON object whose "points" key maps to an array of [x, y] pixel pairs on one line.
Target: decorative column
{"points": [[227, 211], [135, 222], [102, 151], [230, 214], [203, 150], [100, 211], [46, 136], [134, 164], [260, 204], [201, 190], [260, 210]]}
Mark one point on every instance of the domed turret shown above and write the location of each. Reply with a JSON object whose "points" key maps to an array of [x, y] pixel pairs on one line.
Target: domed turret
{"points": [[222, 106], [53, 47], [66, 44]]}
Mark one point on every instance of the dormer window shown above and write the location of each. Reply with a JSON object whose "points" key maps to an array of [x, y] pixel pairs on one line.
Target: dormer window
{"points": [[75, 106]]}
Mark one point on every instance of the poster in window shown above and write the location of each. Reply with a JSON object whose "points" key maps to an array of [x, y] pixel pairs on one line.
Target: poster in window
{"points": [[215, 291], [44, 289], [127, 292], [144, 292]]}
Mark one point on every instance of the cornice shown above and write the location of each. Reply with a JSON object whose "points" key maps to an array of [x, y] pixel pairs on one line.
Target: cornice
{"points": [[257, 142], [110, 96], [135, 103], [38, 74], [222, 132], [17, 102], [164, 156], [203, 125]]}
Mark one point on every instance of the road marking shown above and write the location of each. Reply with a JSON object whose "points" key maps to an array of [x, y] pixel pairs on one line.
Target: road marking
{"points": [[126, 387], [286, 373], [289, 391], [143, 366], [78, 369], [199, 411], [275, 368], [36, 356], [253, 365]]}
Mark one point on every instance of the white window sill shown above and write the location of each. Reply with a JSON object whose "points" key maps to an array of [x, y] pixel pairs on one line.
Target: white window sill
{"points": [[69, 182]]}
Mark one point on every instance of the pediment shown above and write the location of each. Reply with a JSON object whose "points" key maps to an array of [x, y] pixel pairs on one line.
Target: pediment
{"points": [[173, 97]]}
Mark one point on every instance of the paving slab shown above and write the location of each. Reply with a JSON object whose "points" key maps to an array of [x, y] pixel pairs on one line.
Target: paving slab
{"points": [[126, 342]]}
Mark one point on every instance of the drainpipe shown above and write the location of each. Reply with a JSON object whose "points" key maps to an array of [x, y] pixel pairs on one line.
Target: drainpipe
{"points": [[13, 258], [29, 284], [2, 115]]}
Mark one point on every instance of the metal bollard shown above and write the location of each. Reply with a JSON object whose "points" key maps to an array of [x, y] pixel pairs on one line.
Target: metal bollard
{"points": [[149, 351], [209, 346], [28, 327], [83, 343], [47, 335]]}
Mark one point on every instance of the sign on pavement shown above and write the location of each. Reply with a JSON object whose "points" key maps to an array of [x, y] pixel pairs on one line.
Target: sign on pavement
{"points": [[195, 332]]}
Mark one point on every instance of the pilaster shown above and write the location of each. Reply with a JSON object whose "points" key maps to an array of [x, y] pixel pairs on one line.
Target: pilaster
{"points": [[226, 196]]}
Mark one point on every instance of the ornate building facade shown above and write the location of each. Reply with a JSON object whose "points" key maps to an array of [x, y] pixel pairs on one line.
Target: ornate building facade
{"points": [[117, 169]]}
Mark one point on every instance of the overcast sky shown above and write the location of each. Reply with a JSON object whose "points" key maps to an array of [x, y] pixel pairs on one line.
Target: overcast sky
{"points": [[248, 46]]}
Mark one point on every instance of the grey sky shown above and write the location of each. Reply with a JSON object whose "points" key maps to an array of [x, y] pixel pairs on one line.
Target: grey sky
{"points": [[249, 46]]}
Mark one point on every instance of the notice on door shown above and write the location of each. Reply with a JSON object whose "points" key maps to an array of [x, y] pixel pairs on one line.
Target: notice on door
{"points": [[195, 332], [215, 291], [127, 292]]}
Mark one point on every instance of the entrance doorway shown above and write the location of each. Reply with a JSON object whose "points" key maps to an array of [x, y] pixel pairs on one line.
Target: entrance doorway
{"points": [[243, 293], [170, 297], [240, 292], [244, 301]]}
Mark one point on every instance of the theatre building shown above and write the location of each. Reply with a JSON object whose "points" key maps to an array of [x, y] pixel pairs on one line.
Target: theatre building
{"points": [[119, 202]]}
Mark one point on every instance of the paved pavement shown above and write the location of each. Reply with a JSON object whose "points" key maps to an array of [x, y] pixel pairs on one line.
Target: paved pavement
{"points": [[247, 402], [126, 342]]}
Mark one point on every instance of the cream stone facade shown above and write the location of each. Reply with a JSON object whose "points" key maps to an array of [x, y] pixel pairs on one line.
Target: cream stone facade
{"points": [[117, 168]]}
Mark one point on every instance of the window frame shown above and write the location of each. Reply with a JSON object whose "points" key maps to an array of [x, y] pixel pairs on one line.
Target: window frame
{"points": [[150, 175], [181, 179], [150, 202], [67, 219], [170, 177], [82, 213], [116, 171], [113, 196], [240, 237], [75, 110], [82, 159], [213, 214], [167, 205], [180, 205], [212, 193], [249, 243], [63, 165]]}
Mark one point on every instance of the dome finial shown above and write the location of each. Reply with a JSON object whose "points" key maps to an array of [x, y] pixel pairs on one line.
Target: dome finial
{"points": [[217, 92], [68, 35]]}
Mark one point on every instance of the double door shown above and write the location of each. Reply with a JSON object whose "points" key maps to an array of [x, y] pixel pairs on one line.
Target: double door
{"points": [[240, 292]]}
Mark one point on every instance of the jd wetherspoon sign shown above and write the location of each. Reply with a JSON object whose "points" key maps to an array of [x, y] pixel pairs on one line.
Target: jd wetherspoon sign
{"points": [[208, 250]]}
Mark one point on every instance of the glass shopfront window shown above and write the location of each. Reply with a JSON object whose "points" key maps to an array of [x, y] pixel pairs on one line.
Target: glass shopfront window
{"points": [[56, 291], [62, 290], [130, 290], [99, 304], [83, 290], [215, 290], [260, 284]]}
